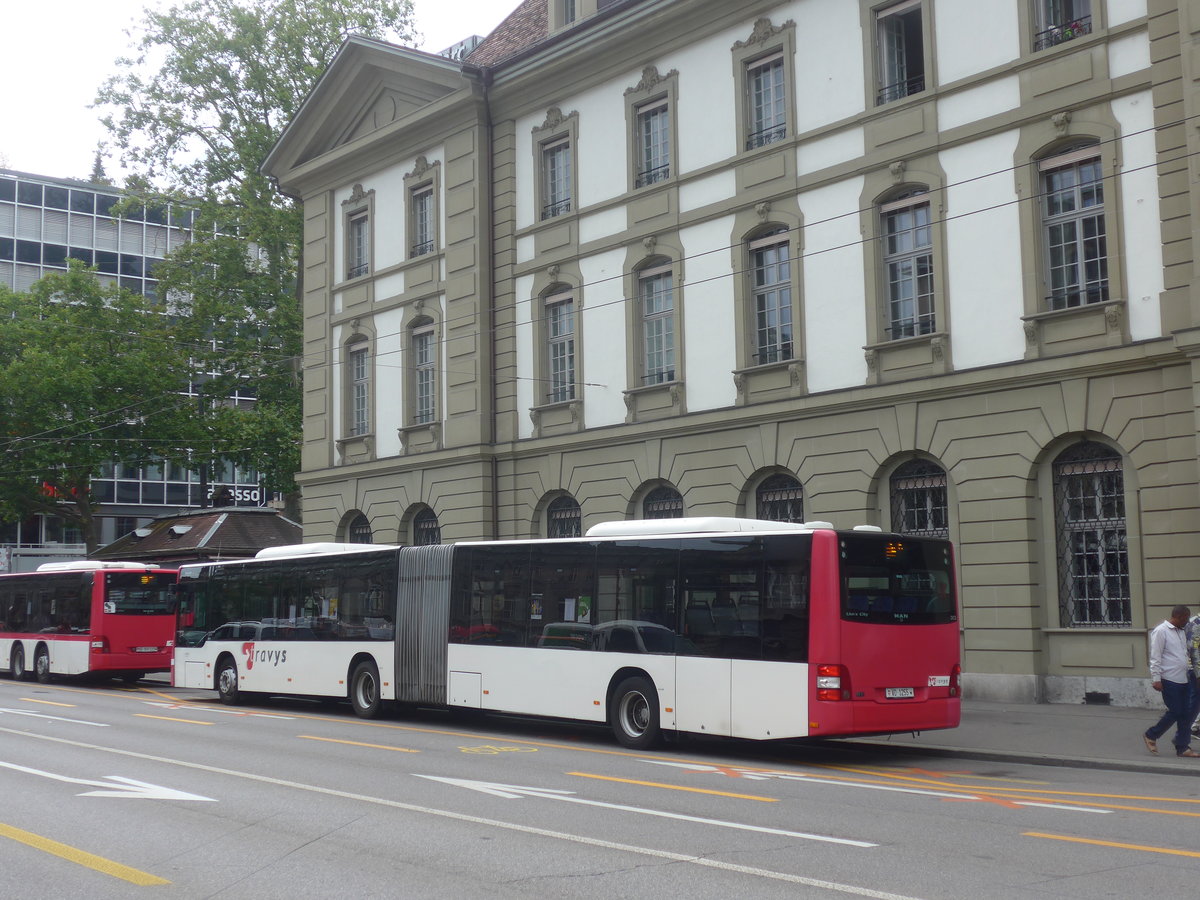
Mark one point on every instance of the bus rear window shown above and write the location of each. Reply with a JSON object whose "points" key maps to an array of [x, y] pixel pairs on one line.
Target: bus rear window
{"points": [[139, 594], [890, 580]]}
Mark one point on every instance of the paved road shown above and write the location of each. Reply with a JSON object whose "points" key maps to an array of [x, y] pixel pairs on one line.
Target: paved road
{"points": [[105, 788]]}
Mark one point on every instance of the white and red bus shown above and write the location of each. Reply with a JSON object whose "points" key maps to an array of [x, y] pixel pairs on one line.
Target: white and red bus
{"points": [[731, 627], [74, 618]]}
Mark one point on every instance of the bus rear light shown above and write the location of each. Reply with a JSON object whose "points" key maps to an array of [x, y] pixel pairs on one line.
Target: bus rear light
{"points": [[833, 682], [100, 646], [956, 681]]}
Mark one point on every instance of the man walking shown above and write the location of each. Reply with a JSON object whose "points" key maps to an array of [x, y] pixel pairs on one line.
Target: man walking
{"points": [[1171, 675]]}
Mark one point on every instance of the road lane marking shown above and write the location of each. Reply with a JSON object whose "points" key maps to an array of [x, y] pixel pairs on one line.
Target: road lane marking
{"points": [[675, 787], [492, 749], [651, 852], [33, 715], [1194, 854], [48, 702], [171, 719], [155, 693], [124, 787], [81, 857], [313, 737], [514, 792]]}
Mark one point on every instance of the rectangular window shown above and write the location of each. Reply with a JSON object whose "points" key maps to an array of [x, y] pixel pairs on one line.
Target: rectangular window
{"points": [[1076, 242], [770, 268], [556, 178], [424, 373], [908, 266], [1060, 21], [422, 221], [766, 107], [560, 331], [653, 143], [360, 390], [358, 261], [901, 51], [657, 294]]}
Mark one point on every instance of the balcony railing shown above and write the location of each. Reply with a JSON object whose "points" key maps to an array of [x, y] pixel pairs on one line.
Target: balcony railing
{"points": [[905, 88], [1060, 34], [651, 176], [767, 355], [765, 136], [422, 249], [911, 327], [357, 271], [550, 210], [1096, 293], [662, 376]]}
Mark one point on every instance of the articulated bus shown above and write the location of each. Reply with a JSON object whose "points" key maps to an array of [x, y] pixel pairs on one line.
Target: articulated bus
{"points": [[731, 627], [74, 618]]}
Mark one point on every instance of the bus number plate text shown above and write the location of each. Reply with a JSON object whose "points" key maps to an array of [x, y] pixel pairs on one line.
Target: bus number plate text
{"points": [[898, 693], [145, 649]]}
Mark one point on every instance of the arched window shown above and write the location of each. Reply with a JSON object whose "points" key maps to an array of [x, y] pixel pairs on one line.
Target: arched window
{"points": [[564, 519], [1076, 242], [779, 498], [1093, 559], [359, 530], [918, 490], [771, 289], [426, 529], [663, 503]]}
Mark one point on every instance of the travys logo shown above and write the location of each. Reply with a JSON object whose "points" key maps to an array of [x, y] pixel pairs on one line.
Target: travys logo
{"points": [[274, 657]]}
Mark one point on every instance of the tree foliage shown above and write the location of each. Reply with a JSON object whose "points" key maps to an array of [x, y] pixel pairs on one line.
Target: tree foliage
{"points": [[194, 112], [89, 375]]}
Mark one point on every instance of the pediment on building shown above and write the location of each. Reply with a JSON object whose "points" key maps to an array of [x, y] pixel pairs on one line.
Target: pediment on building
{"points": [[370, 86]]}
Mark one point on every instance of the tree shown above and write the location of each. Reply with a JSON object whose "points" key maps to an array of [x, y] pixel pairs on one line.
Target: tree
{"points": [[194, 112], [90, 375]]}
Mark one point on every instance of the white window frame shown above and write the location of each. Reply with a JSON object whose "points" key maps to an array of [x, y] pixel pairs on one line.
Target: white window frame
{"points": [[894, 78], [358, 373], [772, 325], [1076, 267], [656, 296], [560, 313], [766, 100], [424, 373], [556, 177], [911, 313]]}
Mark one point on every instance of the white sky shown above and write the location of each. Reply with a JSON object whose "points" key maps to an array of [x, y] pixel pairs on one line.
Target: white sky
{"points": [[57, 53]]}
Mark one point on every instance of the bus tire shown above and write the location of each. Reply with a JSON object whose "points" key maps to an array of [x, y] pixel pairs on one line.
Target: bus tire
{"points": [[364, 690], [41, 665], [17, 664], [634, 713], [227, 682]]}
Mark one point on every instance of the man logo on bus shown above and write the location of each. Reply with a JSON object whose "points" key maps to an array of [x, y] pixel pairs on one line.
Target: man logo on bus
{"points": [[274, 657]]}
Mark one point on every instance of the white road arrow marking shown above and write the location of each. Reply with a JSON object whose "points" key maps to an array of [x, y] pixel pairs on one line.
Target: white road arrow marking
{"points": [[25, 712], [138, 790], [513, 792]]}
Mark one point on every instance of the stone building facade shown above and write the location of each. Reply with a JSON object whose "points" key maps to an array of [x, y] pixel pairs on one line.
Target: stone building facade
{"points": [[921, 264]]}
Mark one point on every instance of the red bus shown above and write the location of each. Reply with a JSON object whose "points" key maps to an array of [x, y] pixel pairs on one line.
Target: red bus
{"points": [[733, 627], [74, 618]]}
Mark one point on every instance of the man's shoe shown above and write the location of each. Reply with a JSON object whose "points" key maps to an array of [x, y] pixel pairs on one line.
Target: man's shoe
{"points": [[1196, 728], [1188, 752], [1151, 744]]}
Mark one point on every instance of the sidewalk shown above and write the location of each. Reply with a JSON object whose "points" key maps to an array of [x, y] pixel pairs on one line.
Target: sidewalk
{"points": [[1097, 737]]}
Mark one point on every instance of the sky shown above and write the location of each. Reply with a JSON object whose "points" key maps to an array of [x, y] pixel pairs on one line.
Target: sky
{"points": [[57, 53]]}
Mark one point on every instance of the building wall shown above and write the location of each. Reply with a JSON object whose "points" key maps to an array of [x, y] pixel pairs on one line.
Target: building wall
{"points": [[994, 393]]}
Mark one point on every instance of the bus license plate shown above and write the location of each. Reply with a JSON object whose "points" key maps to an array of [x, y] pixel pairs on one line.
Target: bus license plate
{"points": [[898, 693], [145, 649]]}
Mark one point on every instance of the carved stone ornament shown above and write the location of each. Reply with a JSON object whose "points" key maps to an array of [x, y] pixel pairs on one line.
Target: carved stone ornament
{"points": [[762, 209], [357, 195], [650, 242], [1061, 120], [1112, 318], [897, 169], [739, 382], [419, 306], [872, 358], [795, 373], [535, 416], [676, 393], [552, 272], [554, 119], [763, 32], [650, 80], [1031, 333], [630, 402], [937, 347], [422, 166]]}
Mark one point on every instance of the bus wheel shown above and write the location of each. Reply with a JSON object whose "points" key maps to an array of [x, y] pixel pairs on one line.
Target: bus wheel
{"points": [[634, 713], [41, 665], [227, 682], [364, 690], [17, 664]]}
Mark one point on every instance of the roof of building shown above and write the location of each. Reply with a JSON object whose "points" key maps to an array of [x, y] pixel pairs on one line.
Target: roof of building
{"points": [[228, 532], [527, 25]]}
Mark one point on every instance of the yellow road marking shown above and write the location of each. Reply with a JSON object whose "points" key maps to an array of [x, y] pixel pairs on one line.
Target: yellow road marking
{"points": [[1078, 840], [675, 787], [158, 694], [81, 857], [47, 702], [311, 737], [170, 719]]}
